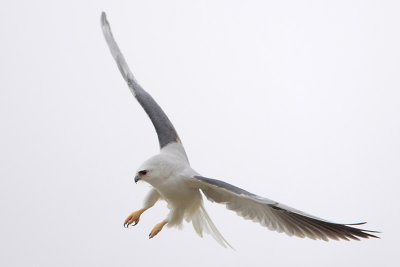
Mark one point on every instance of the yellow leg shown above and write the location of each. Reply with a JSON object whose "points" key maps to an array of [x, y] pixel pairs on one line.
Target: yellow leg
{"points": [[133, 218], [157, 228]]}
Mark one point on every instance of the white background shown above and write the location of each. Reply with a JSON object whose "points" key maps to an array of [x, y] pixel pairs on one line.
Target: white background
{"points": [[297, 101]]}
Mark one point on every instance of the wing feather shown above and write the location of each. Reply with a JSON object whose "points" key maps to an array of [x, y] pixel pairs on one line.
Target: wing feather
{"points": [[276, 216], [165, 130]]}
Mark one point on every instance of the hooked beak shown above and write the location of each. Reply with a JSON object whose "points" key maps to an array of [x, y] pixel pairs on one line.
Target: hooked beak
{"points": [[137, 178]]}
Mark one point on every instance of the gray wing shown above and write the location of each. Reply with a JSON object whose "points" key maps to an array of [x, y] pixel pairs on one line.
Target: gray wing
{"points": [[276, 216], [164, 128]]}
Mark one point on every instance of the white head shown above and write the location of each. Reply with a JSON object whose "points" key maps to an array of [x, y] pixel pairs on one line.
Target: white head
{"points": [[171, 161], [159, 168]]}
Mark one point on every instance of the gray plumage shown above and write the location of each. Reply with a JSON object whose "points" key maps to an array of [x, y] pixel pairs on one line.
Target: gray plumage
{"points": [[165, 130], [276, 216]]}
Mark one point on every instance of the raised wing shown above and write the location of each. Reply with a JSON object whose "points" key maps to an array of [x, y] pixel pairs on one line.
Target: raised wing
{"points": [[276, 216], [164, 128]]}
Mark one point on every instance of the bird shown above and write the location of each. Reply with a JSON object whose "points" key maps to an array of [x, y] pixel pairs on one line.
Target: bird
{"points": [[173, 180]]}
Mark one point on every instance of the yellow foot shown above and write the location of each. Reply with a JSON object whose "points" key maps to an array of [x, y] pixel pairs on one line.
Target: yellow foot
{"points": [[157, 228], [133, 218]]}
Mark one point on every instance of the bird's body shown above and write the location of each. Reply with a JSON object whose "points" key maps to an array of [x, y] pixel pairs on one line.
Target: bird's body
{"points": [[169, 178], [170, 175], [174, 180]]}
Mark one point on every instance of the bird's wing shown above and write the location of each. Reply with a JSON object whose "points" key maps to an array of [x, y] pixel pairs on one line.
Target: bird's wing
{"points": [[276, 216], [164, 128]]}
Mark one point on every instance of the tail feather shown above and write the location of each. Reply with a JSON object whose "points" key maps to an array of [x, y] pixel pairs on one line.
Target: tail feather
{"points": [[203, 223]]}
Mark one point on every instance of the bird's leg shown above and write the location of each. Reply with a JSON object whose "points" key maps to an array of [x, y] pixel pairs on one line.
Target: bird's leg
{"points": [[174, 216], [134, 218], [157, 228], [149, 202]]}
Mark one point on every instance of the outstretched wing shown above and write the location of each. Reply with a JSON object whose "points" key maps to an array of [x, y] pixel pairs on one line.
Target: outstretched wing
{"points": [[276, 216], [164, 128]]}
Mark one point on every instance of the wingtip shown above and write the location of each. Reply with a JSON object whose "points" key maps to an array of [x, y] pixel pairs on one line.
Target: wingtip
{"points": [[103, 18], [365, 233], [360, 223]]}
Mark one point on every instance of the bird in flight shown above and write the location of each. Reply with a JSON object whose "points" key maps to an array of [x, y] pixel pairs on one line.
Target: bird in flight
{"points": [[174, 181]]}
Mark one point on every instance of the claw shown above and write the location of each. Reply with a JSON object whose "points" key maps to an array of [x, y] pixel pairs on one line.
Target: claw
{"points": [[133, 218], [157, 228]]}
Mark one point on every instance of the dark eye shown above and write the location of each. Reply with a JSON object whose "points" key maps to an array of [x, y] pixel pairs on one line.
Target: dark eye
{"points": [[144, 172]]}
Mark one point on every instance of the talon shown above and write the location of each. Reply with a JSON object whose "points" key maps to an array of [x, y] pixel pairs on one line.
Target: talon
{"points": [[157, 228], [133, 218]]}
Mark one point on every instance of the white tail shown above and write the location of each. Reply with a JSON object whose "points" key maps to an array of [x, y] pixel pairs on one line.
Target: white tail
{"points": [[202, 222]]}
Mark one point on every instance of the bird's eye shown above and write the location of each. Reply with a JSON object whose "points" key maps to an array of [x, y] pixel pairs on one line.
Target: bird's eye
{"points": [[142, 172]]}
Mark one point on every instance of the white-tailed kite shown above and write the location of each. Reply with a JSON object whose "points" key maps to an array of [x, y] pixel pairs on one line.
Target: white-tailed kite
{"points": [[173, 180]]}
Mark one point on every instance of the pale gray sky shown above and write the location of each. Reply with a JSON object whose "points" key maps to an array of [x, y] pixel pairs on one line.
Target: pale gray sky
{"points": [[297, 101]]}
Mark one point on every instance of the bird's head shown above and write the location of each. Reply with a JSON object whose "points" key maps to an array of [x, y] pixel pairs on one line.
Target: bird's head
{"points": [[155, 170], [140, 175]]}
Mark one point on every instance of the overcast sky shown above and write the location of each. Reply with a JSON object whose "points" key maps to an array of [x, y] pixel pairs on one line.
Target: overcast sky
{"points": [[297, 101]]}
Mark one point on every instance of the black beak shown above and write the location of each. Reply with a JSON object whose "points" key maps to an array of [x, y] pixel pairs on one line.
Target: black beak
{"points": [[137, 178]]}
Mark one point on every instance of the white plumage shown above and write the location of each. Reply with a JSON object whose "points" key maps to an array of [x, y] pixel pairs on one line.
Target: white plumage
{"points": [[173, 180]]}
